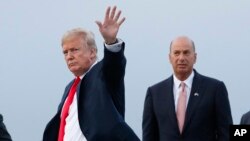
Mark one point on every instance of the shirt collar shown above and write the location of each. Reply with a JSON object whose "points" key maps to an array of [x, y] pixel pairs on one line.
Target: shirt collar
{"points": [[188, 81]]}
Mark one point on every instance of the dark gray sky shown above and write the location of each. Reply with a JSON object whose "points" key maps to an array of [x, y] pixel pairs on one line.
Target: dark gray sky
{"points": [[33, 72]]}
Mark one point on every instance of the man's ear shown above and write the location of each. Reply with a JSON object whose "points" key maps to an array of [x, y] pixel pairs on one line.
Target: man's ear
{"points": [[92, 53], [195, 57], [169, 58]]}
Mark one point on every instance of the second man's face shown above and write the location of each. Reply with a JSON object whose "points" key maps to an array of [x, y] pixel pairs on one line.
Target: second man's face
{"points": [[182, 57], [78, 56]]}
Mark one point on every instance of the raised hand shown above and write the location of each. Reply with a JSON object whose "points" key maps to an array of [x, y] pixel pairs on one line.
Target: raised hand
{"points": [[110, 26]]}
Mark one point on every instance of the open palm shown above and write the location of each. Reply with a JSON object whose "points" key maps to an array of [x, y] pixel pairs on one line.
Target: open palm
{"points": [[110, 26]]}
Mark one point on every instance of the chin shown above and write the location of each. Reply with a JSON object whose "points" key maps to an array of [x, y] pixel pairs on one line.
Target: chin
{"points": [[73, 70], [183, 71]]}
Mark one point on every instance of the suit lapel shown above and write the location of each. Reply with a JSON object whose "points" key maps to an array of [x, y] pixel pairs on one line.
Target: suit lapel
{"points": [[169, 98], [195, 98], [66, 92], [80, 88]]}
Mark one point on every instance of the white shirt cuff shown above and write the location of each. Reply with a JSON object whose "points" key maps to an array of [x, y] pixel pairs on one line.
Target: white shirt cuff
{"points": [[115, 47]]}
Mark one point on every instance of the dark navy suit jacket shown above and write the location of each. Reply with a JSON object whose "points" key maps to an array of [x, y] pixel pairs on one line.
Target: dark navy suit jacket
{"points": [[208, 114], [4, 135], [245, 119], [101, 102]]}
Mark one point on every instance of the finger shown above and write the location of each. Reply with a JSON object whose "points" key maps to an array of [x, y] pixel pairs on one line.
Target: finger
{"points": [[107, 13], [118, 15], [121, 21], [99, 24], [113, 12]]}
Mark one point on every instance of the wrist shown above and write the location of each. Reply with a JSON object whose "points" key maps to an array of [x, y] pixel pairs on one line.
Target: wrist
{"points": [[111, 42]]}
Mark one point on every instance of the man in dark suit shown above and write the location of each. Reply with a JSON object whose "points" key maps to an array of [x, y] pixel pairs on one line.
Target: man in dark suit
{"points": [[4, 135], [97, 110], [198, 110], [245, 119]]}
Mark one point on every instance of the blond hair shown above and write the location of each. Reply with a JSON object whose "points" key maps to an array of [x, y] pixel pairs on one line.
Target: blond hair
{"points": [[83, 34]]}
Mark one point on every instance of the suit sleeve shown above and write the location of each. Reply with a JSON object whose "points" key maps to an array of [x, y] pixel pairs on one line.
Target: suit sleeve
{"points": [[242, 120], [245, 119], [223, 112], [114, 64], [4, 135], [149, 123], [114, 67]]}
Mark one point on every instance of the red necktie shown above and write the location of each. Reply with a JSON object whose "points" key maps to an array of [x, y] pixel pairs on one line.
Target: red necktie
{"points": [[65, 109], [181, 106]]}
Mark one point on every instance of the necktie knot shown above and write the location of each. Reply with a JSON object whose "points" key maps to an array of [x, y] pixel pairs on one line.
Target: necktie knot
{"points": [[76, 82], [182, 86]]}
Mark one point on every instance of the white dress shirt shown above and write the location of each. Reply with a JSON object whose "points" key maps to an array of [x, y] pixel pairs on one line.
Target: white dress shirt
{"points": [[188, 85]]}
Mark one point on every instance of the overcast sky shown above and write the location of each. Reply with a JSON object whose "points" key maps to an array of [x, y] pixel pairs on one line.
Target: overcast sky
{"points": [[33, 73]]}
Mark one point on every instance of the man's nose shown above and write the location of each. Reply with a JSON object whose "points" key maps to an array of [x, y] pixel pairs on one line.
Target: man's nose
{"points": [[181, 56]]}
